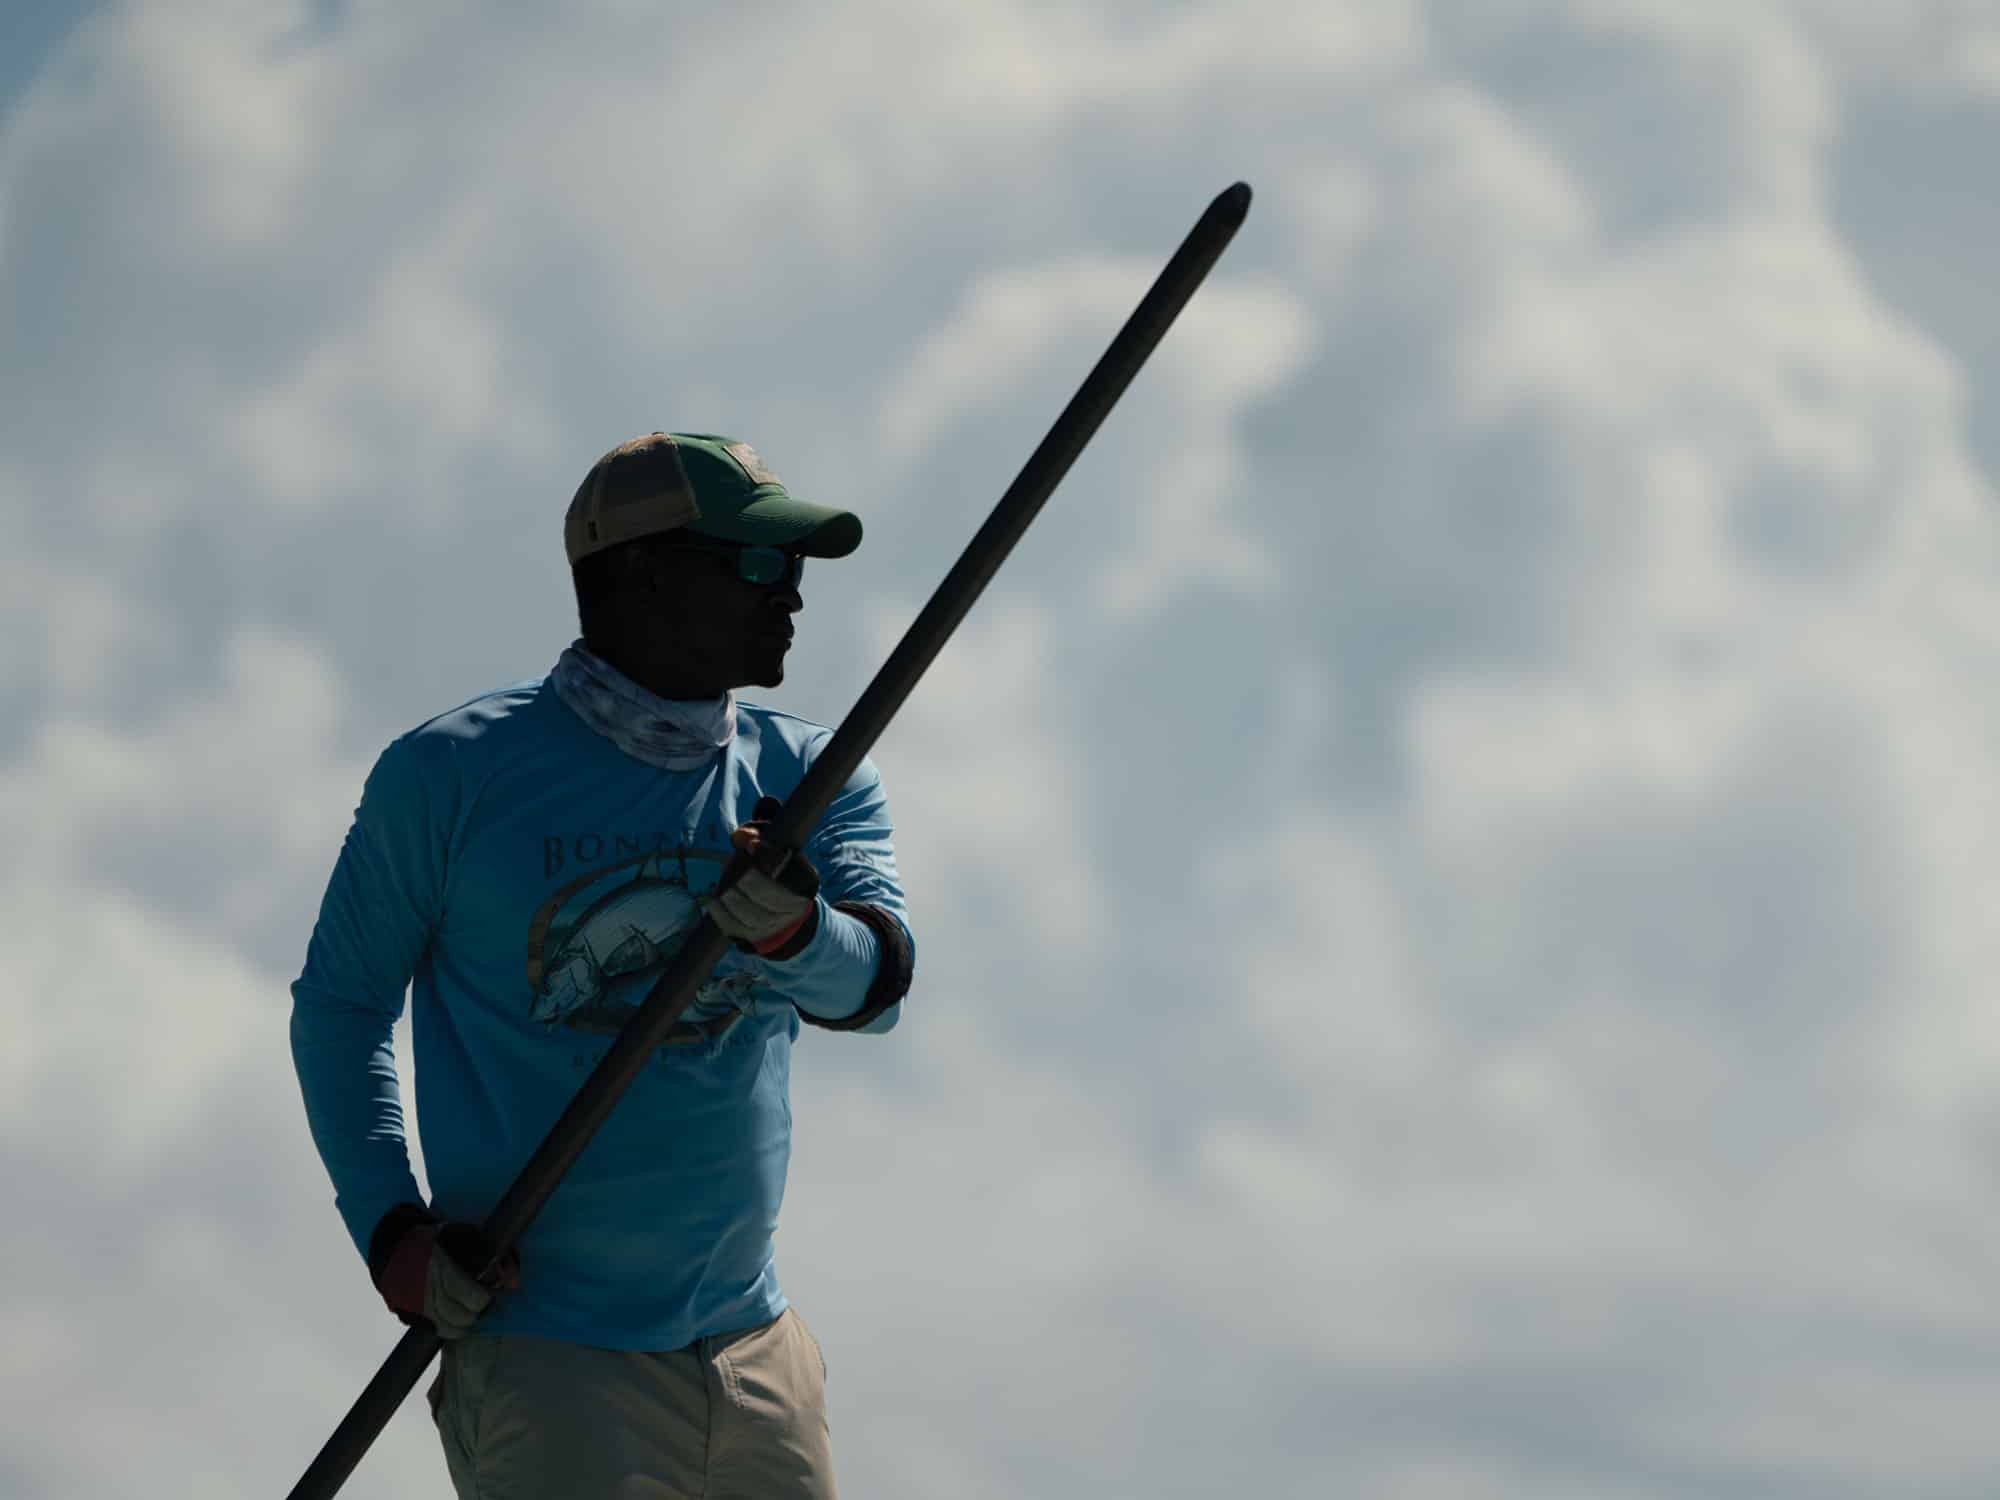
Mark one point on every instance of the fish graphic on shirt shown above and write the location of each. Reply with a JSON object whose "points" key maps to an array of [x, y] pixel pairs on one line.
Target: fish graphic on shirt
{"points": [[598, 969]]}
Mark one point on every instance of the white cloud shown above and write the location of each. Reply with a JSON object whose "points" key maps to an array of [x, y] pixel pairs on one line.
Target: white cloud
{"points": [[424, 360], [1928, 48], [1018, 332], [984, 792], [1001, 332], [1607, 1059], [238, 112], [254, 760], [119, 1023], [67, 629], [1232, 347], [125, 1015]]}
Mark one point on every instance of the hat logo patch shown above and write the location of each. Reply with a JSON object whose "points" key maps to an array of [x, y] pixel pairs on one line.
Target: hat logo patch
{"points": [[753, 465]]}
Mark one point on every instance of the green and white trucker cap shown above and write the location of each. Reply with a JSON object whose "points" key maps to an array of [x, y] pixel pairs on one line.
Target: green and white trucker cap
{"points": [[716, 486]]}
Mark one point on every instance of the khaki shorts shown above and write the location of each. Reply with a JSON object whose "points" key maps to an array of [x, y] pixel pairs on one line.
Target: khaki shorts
{"points": [[738, 1416]]}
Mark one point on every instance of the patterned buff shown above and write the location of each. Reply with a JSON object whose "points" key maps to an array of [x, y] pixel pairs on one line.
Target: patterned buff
{"points": [[675, 734]]}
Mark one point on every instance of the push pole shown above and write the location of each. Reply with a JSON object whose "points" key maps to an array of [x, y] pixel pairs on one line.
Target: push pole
{"points": [[872, 711]]}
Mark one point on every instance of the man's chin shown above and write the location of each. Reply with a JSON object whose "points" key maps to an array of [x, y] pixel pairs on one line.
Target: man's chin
{"points": [[764, 661]]}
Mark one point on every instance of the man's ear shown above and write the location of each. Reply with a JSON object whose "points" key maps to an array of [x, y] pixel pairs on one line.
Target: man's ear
{"points": [[637, 576]]}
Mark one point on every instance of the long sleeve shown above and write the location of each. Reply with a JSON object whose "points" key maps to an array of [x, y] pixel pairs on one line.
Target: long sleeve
{"points": [[382, 904], [854, 963]]}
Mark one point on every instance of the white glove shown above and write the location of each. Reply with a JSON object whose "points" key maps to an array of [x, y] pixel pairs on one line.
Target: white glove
{"points": [[765, 912]]}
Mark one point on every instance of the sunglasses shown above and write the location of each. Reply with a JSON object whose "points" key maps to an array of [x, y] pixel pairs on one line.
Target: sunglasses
{"points": [[760, 565]]}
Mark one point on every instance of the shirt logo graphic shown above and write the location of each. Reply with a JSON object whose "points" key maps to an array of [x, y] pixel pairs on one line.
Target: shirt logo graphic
{"points": [[597, 945]]}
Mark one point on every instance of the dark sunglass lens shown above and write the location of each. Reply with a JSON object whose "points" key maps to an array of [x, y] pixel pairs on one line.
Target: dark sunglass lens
{"points": [[760, 564], [769, 565]]}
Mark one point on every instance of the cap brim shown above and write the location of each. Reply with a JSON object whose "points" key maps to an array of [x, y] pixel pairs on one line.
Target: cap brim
{"points": [[786, 521]]}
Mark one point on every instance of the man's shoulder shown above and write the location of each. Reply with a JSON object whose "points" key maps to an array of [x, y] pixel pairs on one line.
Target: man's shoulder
{"points": [[440, 745], [492, 712], [767, 723], [774, 734]]}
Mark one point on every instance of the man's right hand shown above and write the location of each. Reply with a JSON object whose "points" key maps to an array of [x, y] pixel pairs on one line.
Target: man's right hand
{"points": [[431, 1270]]}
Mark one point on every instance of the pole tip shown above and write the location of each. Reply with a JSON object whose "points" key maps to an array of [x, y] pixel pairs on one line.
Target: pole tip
{"points": [[1233, 201]]}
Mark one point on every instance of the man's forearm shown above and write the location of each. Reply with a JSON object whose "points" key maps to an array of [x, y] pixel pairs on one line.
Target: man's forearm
{"points": [[346, 1064], [841, 970]]}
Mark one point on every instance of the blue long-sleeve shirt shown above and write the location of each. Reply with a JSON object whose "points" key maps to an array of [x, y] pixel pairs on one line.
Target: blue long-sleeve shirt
{"points": [[527, 881]]}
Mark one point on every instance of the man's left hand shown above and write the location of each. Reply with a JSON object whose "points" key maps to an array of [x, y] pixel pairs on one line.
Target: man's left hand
{"points": [[771, 913]]}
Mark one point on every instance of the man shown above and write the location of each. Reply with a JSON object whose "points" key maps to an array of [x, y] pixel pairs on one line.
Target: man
{"points": [[527, 864]]}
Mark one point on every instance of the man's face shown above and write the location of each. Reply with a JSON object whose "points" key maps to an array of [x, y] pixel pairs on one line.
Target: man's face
{"points": [[705, 625]]}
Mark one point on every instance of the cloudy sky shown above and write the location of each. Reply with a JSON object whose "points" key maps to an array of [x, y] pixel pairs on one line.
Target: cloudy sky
{"points": [[1456, 867]]}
